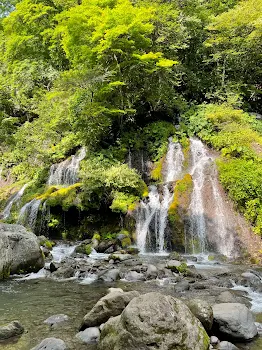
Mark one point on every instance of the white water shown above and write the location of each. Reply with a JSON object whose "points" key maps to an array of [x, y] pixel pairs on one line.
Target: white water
{"points": [[28, 213], [197, 225], [151, 218], [66, 172], [62, 251], [14, 199], [256, 298], [203, 171]]}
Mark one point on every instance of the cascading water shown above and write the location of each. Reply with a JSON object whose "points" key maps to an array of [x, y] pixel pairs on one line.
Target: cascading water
{"points": [[151, 218], [201, 224], [28, 213], [197, 224], [14, 199], [66, 172]]}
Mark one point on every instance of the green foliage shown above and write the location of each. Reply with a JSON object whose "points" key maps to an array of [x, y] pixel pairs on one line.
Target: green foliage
{"points": [[122, 202], [233, 132]]}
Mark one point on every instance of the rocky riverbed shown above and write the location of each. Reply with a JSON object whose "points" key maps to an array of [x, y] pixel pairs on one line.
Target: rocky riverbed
{"points": [[71, 284]]}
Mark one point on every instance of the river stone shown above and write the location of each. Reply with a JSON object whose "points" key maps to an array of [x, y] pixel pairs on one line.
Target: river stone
{"points": [[51, 344], [227, 297], [110, 275], [110, 305], [154, 321], [64, 272], [151, 272], [203, 311], [225, 345], [56, 319], [12, 329], [89, 335], [19, 251], [234, 321], [134, 276], [173, 265]]}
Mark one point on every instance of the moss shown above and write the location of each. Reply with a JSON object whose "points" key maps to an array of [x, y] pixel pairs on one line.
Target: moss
{"points": [[96, 236], [5, 272], [182, 268], [156, 173], [88, 249], [211, 257], [203, 334], [177, 212], [126, 242]]}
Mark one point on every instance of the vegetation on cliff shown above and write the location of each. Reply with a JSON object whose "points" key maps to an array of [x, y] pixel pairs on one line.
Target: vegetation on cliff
{"points": [[115, 76]]}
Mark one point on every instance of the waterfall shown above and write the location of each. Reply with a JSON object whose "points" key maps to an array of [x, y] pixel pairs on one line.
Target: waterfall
{"points": [[197, 224], [66, 172], [28, 213], [225, 240], [14, 199], [151, 216]]}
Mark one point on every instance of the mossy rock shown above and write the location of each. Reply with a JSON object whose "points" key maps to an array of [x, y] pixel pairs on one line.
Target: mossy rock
{"points": [[178, 211]]}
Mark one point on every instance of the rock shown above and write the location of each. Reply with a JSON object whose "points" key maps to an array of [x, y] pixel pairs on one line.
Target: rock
{"points": [[19, 251], [120, 257], [227, 297], [173, 265], [51, 344], [203, 311], [225, 345], [234, 321], [56, 319], [89, 335], [132, 250], [64, 272], [181, 286], [134, 276], [214, 340], [112, 290], [109, 275], [105, 245], [151, 272], [12, 329], [154, 321], [53, 267], [110, 305]]}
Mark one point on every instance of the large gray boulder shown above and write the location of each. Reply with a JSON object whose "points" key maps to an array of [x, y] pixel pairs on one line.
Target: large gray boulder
{"points": [[51, 344], [10, 330], [19, 251], [110, 305], [203, 311], [234, 321], [154, 321]]}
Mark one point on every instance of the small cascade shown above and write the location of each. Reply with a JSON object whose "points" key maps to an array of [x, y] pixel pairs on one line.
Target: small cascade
{"points": [[66, 172], [14, 199], [225, 239], [151, 218], [28, 213], [197, 224], [62, 251]]}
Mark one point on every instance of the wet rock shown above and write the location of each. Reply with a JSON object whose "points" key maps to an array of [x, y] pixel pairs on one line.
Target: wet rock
{"points": [[249, 279], [19, 251], [151, 272], [110, 275], [105, 245], [225, 345], [203, 311], [110, 305], [214, 340], [10, 330], [120, 257], [182, 286], [64, 272], [175, 265], [234, 321], [132, 250], [89, 335], [154, 321], [56, 319], [132, 262], [53, 267], [134, 276], [51, 344]]}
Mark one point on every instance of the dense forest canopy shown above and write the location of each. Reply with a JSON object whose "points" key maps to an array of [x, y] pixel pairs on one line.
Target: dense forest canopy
{"points": [[114, 75]]}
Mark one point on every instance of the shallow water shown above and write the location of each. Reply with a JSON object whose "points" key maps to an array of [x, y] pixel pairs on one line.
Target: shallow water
{"points": [[32, 301]]}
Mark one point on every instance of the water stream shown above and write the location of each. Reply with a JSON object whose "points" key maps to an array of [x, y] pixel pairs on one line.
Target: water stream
{"points": [[151, 218], [66, 172], [14, 199]]}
